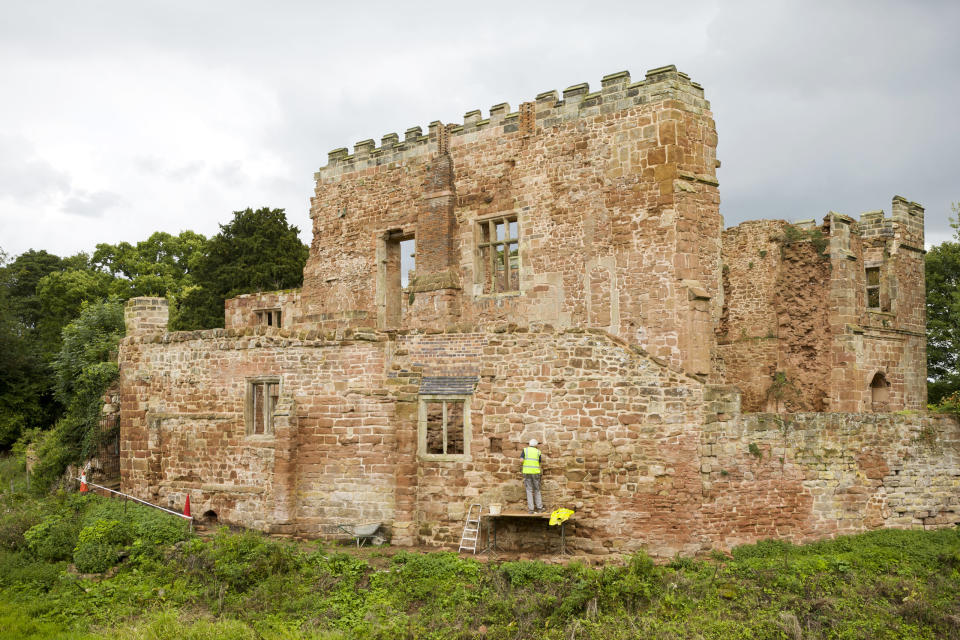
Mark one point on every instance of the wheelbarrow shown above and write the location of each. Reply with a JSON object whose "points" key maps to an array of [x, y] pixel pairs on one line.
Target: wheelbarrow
{"points": [[363, 533]]}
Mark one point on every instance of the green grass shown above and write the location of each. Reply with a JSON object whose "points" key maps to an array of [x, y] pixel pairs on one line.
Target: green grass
{"points": [[884, 584]]}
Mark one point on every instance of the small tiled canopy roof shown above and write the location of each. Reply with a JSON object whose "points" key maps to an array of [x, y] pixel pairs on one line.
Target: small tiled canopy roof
{"points": [[447, 385]]}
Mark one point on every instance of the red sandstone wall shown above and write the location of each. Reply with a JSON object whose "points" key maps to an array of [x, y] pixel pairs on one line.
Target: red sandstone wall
{"points": [[808, 476], [618, 207], [183, 427], [647, 456], [619, 434], [890, 340], [747, 335], [800, 309]]}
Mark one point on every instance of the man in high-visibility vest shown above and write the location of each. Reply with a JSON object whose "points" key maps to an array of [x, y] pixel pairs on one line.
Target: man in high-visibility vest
{"points": [[532, 472]]}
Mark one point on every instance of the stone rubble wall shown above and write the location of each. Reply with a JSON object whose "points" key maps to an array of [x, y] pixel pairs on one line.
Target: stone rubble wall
{"points": [[807, 476], [647, 456], [794, 306], [183, 427]]}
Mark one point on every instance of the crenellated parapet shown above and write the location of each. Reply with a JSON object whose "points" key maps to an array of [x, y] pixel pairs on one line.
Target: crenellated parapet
{"points": [[905, 223], [548, 109]]}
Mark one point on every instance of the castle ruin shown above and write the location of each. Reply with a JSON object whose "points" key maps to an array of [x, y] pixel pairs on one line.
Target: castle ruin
{"points": [[558, 272]]}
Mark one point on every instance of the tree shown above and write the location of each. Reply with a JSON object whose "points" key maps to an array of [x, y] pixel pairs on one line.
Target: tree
{"points": [[29, 339], [161, 265], [943, 317], [256, 251], [84, 369], [19, 280], [62, 295]]}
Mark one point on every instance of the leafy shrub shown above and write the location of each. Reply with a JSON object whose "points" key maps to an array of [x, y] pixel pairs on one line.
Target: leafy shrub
{"points": [[242, 560], [54, 538], [150, 527], [99, 545], [523, 573]]}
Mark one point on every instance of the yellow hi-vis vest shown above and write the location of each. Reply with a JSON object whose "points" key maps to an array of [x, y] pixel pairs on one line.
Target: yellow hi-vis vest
{"points": [[531, 460]]}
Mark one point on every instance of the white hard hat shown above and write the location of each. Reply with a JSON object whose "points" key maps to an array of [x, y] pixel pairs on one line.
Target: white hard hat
{"points": [[533, 442]]}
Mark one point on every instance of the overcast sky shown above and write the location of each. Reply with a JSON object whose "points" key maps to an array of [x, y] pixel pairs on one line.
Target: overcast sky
{"points": [[124, 117]]}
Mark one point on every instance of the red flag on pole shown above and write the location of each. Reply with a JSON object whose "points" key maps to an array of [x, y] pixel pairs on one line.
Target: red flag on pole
{"points": [[186, 507]]}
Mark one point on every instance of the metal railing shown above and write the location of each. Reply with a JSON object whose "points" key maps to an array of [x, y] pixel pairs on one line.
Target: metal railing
{"points": [[127, 496]]}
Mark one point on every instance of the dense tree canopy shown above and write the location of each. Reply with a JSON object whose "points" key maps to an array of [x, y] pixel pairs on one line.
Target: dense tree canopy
{"points": [[256, 251], [943, 317], [60, 318], [161, 265]]}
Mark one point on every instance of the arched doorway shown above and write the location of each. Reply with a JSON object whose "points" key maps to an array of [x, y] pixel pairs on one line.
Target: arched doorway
{"points": [[879, 393]]}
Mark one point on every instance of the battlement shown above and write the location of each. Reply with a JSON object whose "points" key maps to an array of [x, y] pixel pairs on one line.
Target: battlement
{"points": [[146, 315], [905, 222], [548, 109]]}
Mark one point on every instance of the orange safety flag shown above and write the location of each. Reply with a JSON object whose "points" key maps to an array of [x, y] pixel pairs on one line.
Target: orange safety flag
{"points": [[83, 482], [186, 507]]}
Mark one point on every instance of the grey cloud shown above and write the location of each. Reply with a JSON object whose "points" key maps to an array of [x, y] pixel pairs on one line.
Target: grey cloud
{"points": [[230, 174], [818, 106], [838, 106], [91, 205], [155, 166], [24, 176]]}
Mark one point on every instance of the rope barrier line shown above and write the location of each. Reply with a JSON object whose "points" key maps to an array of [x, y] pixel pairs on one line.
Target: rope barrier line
{"points": [[149, 504]]}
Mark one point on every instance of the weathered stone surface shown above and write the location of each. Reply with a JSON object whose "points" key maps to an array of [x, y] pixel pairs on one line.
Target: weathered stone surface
{"points": [[627, 335]]}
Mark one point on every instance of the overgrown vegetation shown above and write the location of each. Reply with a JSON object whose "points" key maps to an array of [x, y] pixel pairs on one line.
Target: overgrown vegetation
{"points": [[163, 583], [942, 266], [61, 320], [813, 235]]}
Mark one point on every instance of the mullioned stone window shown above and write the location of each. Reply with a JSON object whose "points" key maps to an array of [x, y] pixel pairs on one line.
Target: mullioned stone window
{"points": [[268, 317], [444, 427], [261, 401], [498, 254]]}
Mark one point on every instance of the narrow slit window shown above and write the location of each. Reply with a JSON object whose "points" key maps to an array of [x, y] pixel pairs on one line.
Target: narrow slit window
{"points": [[873, 287]]}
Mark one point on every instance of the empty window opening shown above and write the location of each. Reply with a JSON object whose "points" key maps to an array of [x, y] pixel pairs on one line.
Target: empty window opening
{"points": [[499, 254], [445, 427], [268, 317], [261, 403], [873, 287], [880, 393], [398, 269], [408, 249]]}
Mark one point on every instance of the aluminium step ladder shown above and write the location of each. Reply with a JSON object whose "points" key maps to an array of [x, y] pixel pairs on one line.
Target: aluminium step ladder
{"points": [[471, 530]]}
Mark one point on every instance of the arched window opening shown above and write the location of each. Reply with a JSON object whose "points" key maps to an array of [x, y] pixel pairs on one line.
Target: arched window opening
{"points": [[880, 393], [209, 517]]}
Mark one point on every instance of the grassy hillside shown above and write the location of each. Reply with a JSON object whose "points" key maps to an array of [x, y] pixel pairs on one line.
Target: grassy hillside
{"points": [[160, 582]]}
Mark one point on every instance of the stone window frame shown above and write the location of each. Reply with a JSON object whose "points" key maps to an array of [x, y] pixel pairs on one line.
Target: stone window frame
{"points": [[270, 317], [484, 267], [250, 399], [422, 401], [872, 288]]}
